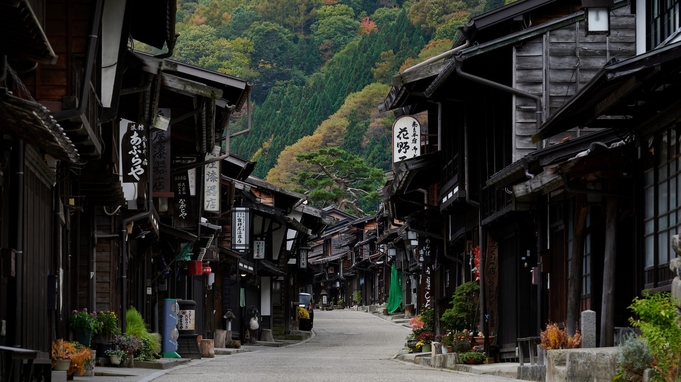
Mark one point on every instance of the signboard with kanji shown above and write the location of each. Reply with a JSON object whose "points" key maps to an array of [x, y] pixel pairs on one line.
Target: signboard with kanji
{"points": [[134, 153], [240, 229], [211, 185], [259, 249], [182, 203], [160, 152], [406, 138]]}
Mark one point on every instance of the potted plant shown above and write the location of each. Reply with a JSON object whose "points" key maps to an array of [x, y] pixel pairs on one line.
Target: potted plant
{"points": [[464, 311], [128, 344], [62, 351], [425, 341], [108, 324], [84, 324], [304, 322], [115, 356], [357, 297], [472, 357], [75, 353]]}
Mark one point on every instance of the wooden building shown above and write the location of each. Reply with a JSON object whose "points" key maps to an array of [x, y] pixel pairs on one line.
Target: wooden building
{"points": [[484, 101]]}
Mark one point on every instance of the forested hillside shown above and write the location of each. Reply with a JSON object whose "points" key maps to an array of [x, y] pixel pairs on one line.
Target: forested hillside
{"points": [[304, 59]]}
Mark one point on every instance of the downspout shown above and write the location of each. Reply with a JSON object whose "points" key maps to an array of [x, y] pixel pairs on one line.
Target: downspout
{"points": [[504, 88], [18, 313], [89, 62], [93, 264]]}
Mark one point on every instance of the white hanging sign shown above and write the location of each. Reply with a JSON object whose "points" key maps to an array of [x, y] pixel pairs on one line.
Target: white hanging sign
{"points": [[406, 138]]}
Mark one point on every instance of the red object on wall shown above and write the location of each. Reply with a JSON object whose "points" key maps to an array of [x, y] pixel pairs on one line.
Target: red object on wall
{"points": [[207, 270], [195, 268]]}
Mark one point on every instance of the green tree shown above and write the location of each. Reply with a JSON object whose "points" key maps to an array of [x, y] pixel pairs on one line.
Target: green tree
{"points": [[343, 180]]}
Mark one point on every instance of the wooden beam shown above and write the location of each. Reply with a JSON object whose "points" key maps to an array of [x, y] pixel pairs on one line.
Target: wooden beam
{"points": [[189, 87], [609, 263], [575, 278]]}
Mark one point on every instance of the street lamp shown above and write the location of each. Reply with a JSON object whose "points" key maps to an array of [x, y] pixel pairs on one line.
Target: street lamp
{"points": [[597, 16]]}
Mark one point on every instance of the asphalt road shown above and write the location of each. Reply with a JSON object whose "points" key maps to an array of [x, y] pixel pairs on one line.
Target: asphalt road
{"points": [[348, 346]]}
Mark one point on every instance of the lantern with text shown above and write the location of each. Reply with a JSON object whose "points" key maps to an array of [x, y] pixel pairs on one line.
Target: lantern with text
{"points": [[406, 138]]}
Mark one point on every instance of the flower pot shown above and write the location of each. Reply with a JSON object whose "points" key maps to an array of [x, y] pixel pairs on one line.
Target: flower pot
{"points": [[82, 336], [62, 365], [426, 348], [305, 324], [115, 359]]}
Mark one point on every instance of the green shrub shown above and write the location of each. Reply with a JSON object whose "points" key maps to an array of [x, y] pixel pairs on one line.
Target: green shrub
{"points": [[138, 328], [659, 325], [464, 311], [472, 356], [633, 357]]}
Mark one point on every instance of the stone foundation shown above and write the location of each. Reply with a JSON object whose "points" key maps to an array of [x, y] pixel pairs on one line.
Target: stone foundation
{"points": [[593, 365]]}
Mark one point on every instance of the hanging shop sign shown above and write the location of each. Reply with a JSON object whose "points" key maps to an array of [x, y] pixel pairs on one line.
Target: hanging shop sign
{"points": [[211, 185], [182, 203], [259, 249], [160, 153], [406, 138], [240, 229], [134, 153]]}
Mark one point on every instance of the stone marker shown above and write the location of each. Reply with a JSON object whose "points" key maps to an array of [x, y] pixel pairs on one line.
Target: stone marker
{"points": [[588, 329], [207, 348], [220, 336]]}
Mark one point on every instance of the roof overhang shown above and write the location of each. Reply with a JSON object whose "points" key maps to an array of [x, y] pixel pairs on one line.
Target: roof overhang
{"points": [[33, 123], [22, 35]]}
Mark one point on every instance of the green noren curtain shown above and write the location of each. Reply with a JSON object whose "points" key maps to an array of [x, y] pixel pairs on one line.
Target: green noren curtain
{"points": [[395, 296]]}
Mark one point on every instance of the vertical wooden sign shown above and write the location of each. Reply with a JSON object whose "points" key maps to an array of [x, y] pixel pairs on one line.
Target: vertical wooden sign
{"points": [[491, 279]]}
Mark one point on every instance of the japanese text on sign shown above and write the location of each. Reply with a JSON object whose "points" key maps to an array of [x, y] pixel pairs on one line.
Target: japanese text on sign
{"points": [[211, 185], [406, 138], [240, 229], [134, 153], [160, 151]]}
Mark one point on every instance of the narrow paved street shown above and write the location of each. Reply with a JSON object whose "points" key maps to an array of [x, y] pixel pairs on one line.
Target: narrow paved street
{"points": [[349, 345]]}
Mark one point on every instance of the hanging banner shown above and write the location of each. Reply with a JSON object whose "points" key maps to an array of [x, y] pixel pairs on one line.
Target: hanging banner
{"points": [[491, 279], [181, 202], [406, 138], [426, 287], [211, 185], [134, 153], [160, 153], [240, 229]]}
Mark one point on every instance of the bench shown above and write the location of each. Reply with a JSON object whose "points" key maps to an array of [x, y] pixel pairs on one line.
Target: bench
{"points": [[11, 354], [531, 343]]}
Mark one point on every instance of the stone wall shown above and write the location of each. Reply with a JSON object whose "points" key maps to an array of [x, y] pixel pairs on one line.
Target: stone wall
{"points": [[576, 365]]}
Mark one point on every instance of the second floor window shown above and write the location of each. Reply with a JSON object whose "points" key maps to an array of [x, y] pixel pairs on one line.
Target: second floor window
{"points": [[662, 21], [662, 202]]}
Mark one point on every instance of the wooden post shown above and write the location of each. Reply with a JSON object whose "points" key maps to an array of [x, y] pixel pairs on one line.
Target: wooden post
{"points": [[609, 263], [575, 278]]}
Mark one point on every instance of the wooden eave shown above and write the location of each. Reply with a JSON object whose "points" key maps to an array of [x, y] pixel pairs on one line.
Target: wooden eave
{"points": [[22, 35]]}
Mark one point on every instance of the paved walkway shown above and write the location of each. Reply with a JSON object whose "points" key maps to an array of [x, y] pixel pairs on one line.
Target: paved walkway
{"points": [[148, 371]]}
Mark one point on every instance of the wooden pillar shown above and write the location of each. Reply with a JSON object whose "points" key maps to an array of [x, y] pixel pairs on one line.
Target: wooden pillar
{"points": [[609, 263], [575, 278]]}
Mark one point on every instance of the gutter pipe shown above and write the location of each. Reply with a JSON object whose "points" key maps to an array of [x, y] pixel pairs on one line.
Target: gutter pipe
{"points": [[504, 88], [18, 313]]}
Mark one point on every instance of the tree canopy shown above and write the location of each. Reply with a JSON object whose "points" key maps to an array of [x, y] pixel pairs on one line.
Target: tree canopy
{"points": [[341, 179]]}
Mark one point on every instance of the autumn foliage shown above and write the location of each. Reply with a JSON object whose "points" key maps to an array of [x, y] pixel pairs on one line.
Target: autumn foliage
{"points": [[555, 338]]}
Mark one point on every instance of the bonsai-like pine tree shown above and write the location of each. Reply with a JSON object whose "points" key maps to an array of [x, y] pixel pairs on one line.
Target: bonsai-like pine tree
{"points": [[343, 179]]}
